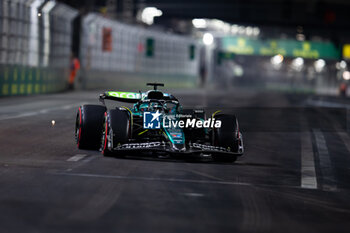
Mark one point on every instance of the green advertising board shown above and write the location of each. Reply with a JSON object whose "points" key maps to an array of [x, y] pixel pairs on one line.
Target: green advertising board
{"points": [[149, 47], [287, 48], [192, 51], [224, 56]]}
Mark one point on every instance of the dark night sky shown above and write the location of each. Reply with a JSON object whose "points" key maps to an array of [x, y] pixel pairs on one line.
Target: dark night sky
{"points": [[315, 14]]}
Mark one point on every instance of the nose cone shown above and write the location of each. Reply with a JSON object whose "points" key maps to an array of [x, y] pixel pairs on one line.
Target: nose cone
{"points": [[179, 147]]}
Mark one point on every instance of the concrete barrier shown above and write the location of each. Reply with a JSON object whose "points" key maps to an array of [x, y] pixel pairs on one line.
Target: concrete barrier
{"points": [[93, 79], [19, 80]]}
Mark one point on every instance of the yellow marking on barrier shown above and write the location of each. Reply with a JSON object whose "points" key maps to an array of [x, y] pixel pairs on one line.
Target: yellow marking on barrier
{"points": [[37, 89], [5, 89], [14, 88], [29, 88], [22, 88]]}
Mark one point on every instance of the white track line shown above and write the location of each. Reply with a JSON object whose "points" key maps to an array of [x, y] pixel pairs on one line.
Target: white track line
{"points": [[327, 104], [76, 157], [308, 172], [328, 179], [193, 194], [42, 111], [135, 178]]}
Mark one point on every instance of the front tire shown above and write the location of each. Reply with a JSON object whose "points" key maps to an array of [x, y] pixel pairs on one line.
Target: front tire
{"points": [[88, 126], [227, 137]]}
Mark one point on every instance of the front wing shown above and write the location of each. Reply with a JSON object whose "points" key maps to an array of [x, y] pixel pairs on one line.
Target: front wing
{"points": [[193, 148]]}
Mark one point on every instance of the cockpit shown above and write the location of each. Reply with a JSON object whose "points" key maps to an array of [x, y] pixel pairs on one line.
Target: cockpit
{"points": [[153, 105]]}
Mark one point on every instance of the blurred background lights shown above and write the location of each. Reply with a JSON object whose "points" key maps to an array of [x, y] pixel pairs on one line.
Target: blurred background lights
{"points": [[208, 38], [220, 26], [241, 30], [346, 75], [319, 65], [199, 23], [238, 71], [249, 31], [298, 63], [256, 31], [277, 59], [234, 29], [300, 37], [342, 64], [148, 14]]}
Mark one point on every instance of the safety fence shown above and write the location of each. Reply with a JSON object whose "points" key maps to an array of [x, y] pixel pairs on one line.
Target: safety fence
{"points": [[111, 52], [35, 45]]}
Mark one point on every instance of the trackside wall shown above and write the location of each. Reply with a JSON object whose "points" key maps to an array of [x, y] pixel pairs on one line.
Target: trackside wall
{"points": [[116, 55], [35, 45]]}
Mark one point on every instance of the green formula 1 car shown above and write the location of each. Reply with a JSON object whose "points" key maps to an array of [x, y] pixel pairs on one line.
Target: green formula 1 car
{"points": [[156, 122]]}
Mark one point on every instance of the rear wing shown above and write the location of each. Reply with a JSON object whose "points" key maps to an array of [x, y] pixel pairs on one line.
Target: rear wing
{"points": [[127, 97]]}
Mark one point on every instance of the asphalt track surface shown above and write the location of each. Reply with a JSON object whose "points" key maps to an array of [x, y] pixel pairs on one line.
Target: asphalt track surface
{"points": [[294, 176]]}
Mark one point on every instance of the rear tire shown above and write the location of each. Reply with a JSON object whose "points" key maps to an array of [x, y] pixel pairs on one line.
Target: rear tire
{"points": [[88, 126], [226, 136], [116, 130]]}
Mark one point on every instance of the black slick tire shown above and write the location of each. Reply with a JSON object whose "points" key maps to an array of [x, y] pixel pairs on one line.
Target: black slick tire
{"points": [[88, 126]]}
